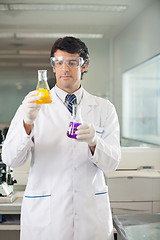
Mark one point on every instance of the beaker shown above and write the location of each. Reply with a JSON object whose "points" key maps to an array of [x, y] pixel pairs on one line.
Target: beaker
{"points": [[43, 88], [76, 120]]}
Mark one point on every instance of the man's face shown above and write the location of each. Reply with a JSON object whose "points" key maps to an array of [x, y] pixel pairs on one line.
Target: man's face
{"points": [[67, 78]]}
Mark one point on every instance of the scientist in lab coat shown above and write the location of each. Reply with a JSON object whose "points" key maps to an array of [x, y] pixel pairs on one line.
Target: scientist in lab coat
{"points": [[66, 197]]}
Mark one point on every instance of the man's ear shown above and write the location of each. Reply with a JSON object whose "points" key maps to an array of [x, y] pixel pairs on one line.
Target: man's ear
{"points": [[54, 69], [83, 68]]}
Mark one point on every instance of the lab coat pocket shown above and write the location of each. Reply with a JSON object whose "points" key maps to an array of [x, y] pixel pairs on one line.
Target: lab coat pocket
{"points": [[104, 215], [36, 209], [102, 203]]}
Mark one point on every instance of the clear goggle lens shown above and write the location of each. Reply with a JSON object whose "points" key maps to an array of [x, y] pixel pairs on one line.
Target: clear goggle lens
{"points": [[72, 62]]}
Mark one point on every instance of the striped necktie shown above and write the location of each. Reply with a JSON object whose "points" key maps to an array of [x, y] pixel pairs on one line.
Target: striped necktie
{"points": [[71, 98]]}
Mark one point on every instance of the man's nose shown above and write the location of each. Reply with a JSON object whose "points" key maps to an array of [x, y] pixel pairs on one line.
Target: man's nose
{"points": [[65, 65]]}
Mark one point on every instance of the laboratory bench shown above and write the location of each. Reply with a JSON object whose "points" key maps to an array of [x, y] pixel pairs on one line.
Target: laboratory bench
{"points": [[10, 212], [137, 226]]}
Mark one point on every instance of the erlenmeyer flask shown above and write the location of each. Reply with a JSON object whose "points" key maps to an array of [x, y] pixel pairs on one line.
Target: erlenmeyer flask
{"points": [[43, 88], [76, 120]]}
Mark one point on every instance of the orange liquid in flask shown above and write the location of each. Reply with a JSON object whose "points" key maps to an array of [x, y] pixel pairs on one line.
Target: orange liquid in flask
{"points": [[45, 96]]}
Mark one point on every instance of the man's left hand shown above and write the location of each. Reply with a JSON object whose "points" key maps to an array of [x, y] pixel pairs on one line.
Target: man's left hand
{"points": [[86, 133]]}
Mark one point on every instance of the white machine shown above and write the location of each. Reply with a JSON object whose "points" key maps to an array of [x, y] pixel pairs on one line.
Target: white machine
{"points": [[134, 191], [132, 188]]}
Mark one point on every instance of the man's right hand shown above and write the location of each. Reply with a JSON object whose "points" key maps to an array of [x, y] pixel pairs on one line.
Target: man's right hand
{"points": [[30, 108]]}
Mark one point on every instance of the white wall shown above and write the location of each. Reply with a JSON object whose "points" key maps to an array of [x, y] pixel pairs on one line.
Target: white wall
{"points": [[97, 81], [137, 43]]}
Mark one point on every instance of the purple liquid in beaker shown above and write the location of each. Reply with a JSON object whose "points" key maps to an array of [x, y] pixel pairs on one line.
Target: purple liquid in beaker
{"points": [[72, 129]]}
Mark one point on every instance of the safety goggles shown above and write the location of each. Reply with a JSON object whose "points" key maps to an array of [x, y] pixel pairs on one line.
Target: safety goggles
{"points": [[72, 62]]}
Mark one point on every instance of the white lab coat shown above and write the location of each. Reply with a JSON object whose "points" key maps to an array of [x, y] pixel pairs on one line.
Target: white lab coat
{"points": [[66, 197]]}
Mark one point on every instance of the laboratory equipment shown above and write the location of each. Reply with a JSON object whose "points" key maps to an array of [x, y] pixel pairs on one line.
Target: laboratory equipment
{"points": [[6, 184], [43, 88], [6, 179], [76, 120]]}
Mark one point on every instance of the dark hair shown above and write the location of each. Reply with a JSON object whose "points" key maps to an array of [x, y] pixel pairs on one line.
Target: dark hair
{"points": [[71, 45]]}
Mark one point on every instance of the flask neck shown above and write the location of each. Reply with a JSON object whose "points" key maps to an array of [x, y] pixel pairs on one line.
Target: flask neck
{"points": [[76, 114], [42, 75], [42, 80]]}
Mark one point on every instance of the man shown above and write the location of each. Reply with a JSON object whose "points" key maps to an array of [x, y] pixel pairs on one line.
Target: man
{"points": [[66, 197]]}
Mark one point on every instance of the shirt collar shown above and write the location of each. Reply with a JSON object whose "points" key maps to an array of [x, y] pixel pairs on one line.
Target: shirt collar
{"points": [[62, 94]]}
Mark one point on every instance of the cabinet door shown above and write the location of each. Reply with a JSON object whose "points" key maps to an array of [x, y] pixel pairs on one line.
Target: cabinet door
{"points": [[131, 207], [156, 207], [130, 189]]}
